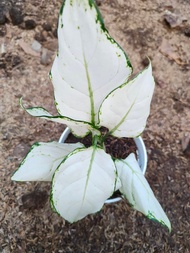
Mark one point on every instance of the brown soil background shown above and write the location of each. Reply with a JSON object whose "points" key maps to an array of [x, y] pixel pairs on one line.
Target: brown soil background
{"points": [[27, 223]]}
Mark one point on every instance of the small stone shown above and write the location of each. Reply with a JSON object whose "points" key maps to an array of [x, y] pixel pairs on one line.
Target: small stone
{"points": [[46, 56], [36, 46], [173, 20], [16, 15], [3, 30], [45, 34], [2, 17], [170, 20], [30, 24], [3, 49], [145, 61], [187, 32], [39, 37], [47, 27], [16, 60]]}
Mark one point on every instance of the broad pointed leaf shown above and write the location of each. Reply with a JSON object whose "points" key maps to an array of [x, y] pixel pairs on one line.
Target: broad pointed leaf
{"points": [[78, 128], [138, 192], [89, 63], [42, 161], [82, 183], [124, 112]]}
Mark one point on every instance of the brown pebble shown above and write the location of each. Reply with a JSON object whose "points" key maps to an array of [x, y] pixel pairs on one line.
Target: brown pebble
{"points": [[39, 37], [30, 24], [47, 27], [2, 17], [16, 16], [187, 32]]}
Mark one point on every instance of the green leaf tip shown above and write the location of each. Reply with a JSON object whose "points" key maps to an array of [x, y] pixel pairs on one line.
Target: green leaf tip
{"points": [[153, 218]]}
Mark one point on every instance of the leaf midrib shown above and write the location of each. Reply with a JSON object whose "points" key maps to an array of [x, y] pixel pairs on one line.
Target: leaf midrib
{"points": [[122, 120], [90, 92], [89, 171]]}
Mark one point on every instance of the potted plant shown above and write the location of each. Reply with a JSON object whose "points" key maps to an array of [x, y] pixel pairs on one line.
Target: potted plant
{"points": [[90, 75], [117, 147]]}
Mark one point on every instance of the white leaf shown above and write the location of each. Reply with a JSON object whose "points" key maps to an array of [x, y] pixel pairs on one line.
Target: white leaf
{"points": [[89, 63], [124, 112], [42, 161], [78, 128], [82, 183], [138, 192]]}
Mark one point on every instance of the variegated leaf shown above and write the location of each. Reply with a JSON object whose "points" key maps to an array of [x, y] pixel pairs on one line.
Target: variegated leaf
{"points": [[42, 161], [89, 63], [78, 128], [138, 192], [82, 183], [124, 112]]}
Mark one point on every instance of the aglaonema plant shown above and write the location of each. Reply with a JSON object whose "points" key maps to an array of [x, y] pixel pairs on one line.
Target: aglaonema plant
{"points": [[90, 75]]}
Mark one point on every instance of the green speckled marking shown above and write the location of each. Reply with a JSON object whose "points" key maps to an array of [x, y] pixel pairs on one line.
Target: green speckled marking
{"points": [[50, 75], [55, 102], [91, 3]]}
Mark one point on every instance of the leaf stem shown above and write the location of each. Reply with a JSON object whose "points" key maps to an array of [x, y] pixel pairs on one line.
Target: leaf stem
{"points": [[103, 138]]}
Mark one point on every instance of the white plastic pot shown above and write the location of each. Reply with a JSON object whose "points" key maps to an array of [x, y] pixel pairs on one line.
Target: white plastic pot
{"points": [[141, 156]]}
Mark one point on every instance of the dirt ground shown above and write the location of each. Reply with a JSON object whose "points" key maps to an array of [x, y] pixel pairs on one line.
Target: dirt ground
{"points": [[158, 29]]}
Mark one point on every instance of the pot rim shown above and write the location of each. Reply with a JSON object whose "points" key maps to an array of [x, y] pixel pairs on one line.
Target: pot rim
{"points": [[142, 157]]}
